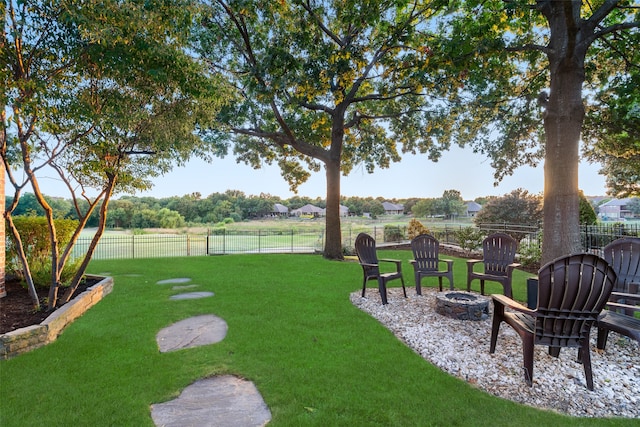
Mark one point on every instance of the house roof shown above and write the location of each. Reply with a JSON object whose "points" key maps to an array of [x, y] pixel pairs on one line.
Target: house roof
{"points": [[473, 206], [388, 206], [308, 208], [616, 202], [280, 208]]}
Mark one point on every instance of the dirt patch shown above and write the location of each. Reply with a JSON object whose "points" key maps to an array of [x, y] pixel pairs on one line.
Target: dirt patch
{"points": [[16, 308]]}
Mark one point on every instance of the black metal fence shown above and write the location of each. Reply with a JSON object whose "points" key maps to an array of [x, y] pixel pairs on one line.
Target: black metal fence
{"points": [[222, 241]]}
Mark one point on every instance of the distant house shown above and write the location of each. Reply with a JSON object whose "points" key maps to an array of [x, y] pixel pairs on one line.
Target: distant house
{"points": [[472, 208], [344, 211], [615, 209], [392, 208], [280, 210], [308, 209]]}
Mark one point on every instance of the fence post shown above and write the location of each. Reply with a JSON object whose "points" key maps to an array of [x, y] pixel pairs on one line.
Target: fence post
{"points": [[292, 240], [133, 246], [188, 246]]}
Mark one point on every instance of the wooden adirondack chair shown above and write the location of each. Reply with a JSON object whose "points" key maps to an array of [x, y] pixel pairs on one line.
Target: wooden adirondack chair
{"points": [[366, 249], [498, 256], [623, 255], [572, 291], [426, 261]]}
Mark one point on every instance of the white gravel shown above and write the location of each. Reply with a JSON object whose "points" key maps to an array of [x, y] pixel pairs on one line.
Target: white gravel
{"points": [[461, 348]]}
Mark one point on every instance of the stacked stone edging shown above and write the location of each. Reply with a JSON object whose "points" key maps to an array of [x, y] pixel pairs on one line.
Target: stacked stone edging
{"points": [[31, 337]]}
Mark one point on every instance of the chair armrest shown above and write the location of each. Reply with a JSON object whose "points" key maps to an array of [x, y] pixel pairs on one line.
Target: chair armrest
{"points": [[471, 263], [448, 261], [368, 265], [412, 261], [512, 267], [515, 305], [397, 262]]}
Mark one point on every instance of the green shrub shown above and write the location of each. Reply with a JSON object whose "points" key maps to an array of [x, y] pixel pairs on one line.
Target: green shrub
{"points": [[393, 233], [34, 233], [530, 253], [469, 238]]}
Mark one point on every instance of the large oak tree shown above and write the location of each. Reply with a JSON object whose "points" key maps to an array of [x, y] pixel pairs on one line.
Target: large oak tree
{"points": [[328, 83], [531, 68]]}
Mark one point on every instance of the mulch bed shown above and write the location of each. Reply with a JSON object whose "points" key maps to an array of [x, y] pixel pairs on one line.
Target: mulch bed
{"points": [[16, 308]]}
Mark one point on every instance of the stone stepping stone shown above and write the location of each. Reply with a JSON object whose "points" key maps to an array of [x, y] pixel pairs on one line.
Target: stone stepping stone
{"points": [[181, 287], [192, 332], [191, 295], [218, 401], [176, 280]]}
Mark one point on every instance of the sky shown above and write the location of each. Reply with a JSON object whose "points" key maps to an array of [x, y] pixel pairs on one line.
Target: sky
{"points": [[414, 176]]}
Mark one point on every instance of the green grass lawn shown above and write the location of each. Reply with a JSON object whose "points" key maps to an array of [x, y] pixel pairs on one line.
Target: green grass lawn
{"points": [[315, 358]]}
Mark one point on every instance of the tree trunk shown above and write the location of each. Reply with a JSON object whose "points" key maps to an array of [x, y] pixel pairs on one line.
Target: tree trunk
{"points": [[333, 240], [79, 274], [563, 124]]}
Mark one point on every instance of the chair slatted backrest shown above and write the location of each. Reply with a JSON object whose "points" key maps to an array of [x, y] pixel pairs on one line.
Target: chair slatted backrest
{"points": [[425, 249], [624, 257], [499, 250], [572, 291], [366, 251]]}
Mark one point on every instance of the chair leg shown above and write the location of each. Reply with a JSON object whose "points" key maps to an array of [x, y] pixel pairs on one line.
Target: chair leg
{"points": [[404, 290], [450, 277], [481, 287], [603, 334], [418, 284], [382, 287], [440, 282], [498, 316], [527, 353], [495, 327], [364, 286], [507, 289], [586, 362]]}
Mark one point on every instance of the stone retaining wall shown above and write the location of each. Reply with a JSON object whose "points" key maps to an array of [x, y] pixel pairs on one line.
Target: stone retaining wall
{"points": [[31, 337]]}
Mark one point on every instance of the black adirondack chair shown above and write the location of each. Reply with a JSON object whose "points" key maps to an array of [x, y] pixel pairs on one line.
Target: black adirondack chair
{"points": [[498, 256], [623, 255], [366, 249], [426, 261], [572, 291]]}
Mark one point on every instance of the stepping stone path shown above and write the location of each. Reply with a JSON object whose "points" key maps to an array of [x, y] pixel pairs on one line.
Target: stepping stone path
{"points": [[191, 295], [192, 332], [183, 287], [226, 400], [177, 280]]}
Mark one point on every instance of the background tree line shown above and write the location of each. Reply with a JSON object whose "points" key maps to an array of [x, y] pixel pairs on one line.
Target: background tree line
{"points": [[130, 212]]}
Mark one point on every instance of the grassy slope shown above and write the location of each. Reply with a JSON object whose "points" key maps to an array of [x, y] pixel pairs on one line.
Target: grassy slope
{"points": [[315, 358]]}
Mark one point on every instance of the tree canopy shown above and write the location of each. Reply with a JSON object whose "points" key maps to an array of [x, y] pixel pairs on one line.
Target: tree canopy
{"points": [[530, 70], [102, 96], [328, 84]]}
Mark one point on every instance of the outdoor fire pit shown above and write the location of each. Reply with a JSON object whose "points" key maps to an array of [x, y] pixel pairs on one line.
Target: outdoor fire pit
{"points": [[462, 305]]}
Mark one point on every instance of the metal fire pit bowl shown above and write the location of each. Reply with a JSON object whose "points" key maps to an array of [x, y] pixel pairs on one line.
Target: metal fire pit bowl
{"points": [[462, 305]]}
